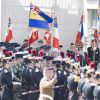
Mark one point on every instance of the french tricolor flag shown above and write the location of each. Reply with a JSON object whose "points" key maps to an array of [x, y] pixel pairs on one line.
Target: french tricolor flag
{"points": [[80, 34], [56, 36]]}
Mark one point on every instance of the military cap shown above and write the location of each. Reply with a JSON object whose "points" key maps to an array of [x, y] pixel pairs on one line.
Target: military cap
{"points": [[66, 64], [27, 61], [25, 40], [18, 56], [48, 58], [49, 68], [55, 50], [76, 66], [56, 62], [15, 45], [47, 47], [40, 41], [27, 56], [61, 46], [7, 59]]}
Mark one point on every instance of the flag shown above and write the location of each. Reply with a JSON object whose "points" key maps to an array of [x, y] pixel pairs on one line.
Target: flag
{"points": [[80, 34], [96, 34], [9, 32], [38, 19], [56, 36], [33, 37], [47, 37]]}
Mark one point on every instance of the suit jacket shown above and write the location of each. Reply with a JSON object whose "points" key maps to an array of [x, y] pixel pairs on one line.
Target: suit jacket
{"points": [[91, 55]]}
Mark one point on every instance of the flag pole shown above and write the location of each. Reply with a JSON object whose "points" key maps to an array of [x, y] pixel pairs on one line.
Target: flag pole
{"points": [[29, 29]]}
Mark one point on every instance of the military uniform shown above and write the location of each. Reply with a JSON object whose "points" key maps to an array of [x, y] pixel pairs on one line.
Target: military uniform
{"points": [[25, 83], [7, 85], [72, 85], [88, 91], [46, 88], [61, 93], [96, 92]]}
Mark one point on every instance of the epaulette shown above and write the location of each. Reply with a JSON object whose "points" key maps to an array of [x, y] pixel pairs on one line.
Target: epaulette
{"points": [[36, 70], [59, 72], [65, 73], [5, 71], [30, 70], [0, 69]]}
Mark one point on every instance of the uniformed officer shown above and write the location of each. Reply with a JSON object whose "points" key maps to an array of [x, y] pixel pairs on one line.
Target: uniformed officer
{"points": [[73, 81], [97, 87], [26, 82], [62, 92], [6, 81], [47, 83], [87, 90]]}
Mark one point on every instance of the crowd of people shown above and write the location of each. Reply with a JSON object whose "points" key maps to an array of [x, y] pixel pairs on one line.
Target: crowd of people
{"points": [[46, 73]]}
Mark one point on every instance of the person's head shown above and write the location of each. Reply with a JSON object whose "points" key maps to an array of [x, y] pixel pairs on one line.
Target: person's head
{"points": [[94, 43], [48, 73], [28, 62], [97, 76], [6, 63], [90, 75], [19, 58], [72, 47], [25, 41], [76, 69], [60, 47], [55, 52], [40, 43]]}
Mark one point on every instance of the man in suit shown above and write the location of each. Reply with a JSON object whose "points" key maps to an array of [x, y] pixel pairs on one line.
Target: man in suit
{"points": [[70, 52], [47, 83], [94, 53]]}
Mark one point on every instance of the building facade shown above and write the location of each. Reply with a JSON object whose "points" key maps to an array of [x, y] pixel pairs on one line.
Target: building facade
{"points": [[68, 12]]}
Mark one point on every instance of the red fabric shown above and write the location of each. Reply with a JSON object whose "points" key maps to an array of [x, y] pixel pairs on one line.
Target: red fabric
{"points": [[9, 35], [72, 56], [78, 58], [33, 37], [9, 53], [92, 65], [29, 51], [47, 38], [88, 61], [56, 43], [96, 34], [68, 54], [62, 54], [4, 51], [41, 53], [33, 53]]}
